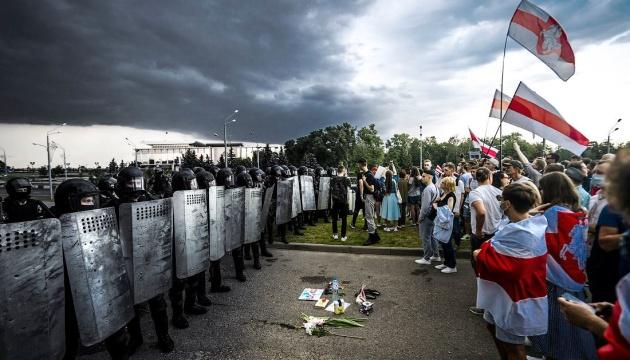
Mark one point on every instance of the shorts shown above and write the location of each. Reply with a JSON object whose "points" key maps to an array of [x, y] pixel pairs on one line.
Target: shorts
{"points": [[415, 199], [502, 334]]}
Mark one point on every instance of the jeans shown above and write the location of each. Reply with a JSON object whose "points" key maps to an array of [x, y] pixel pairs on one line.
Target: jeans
{"points": [[369, 213], [339, 210], [403, 213], [429, 244], [358, 206], [457, 231]]}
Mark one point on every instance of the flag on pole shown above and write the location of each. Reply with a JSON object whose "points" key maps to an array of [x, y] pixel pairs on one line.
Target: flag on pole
{"points": [[541, 34], [495, 110], [485, 149], [531, 112], [511, 269]]}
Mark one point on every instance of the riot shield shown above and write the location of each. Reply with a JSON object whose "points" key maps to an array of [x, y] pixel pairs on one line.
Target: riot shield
{"points": [[101, 293], [147, 240], [216, 197], [234, 211], [324, 193], [253, 215], [283, 201], [266, 207], [308, 193], [351, 199], [296, 202], [31, 290], [192, 240]]}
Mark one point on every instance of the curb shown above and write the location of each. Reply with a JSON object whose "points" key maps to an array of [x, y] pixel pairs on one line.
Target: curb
{"points": [[351, 249]]}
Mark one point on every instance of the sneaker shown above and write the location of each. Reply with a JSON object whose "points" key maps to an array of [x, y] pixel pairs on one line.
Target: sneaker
{"points": [[440, 267], [435, 258], [476, 310], [352, 226], [386, 229], [448, 270], [335, 237], [423, 261], [344, 238], [395, 229]]}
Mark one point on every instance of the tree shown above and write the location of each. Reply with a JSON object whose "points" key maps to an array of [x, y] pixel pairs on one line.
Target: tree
{"points": [[221, 163], [369, 146], [309, 160], [122, 165], [43, 171], [112, 167], [399, 150], [282, 159], [57, 171], [189, 159]]}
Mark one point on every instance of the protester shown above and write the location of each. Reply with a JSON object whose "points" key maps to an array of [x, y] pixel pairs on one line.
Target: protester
{"points": [[415, 192], [389, 208], [500, 180], [359, 204], [577, 176], [339, 186], [444, 222], [403, 189], [554, 167], [566, 235], [514, 169], [511, 270], [368, 184], [599, 174], [485, 214], [533, 170], [606, 321], [552, 158], [425, 219]]}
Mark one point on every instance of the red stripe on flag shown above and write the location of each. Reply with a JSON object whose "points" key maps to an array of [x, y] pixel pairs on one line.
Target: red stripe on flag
{"points": [[520, 278], [547, 118], [536, 25]]}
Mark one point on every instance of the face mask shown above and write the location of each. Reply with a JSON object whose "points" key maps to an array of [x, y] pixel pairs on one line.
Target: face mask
{"points": [[597, 180]]}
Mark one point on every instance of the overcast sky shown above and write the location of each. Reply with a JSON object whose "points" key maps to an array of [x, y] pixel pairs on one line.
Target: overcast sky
{"points": [[115, 69]]}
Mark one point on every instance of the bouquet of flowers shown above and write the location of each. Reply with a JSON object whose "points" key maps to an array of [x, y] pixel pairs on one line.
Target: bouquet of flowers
{"points": [[318, 325]]}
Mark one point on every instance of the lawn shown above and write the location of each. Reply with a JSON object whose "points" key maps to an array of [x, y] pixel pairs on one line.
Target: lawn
{"points": [[322, 234]]}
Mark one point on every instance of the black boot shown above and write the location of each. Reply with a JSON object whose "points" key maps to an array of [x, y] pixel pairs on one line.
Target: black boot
{"points": [[165, 343], [256, 253], [247, 251], [135, 334], [190, 308], [263, 249], [176, 295], [157, 306], [239, 264], [202, 298], [370, 240], [215, 278]]}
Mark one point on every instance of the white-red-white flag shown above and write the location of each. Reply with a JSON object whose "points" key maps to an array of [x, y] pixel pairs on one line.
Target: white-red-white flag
{"points": [[541, 34], [531, 112], [495, 110], [485, 149]]}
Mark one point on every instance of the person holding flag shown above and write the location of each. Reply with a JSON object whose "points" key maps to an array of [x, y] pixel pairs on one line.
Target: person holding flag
{"points": [[511, 271]]}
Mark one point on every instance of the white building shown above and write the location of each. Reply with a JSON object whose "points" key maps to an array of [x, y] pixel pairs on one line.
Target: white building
{"points": [[164, 154]]}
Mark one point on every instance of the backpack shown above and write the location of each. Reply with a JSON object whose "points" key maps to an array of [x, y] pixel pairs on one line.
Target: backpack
{"points": [[338, 190], [379, 190]]}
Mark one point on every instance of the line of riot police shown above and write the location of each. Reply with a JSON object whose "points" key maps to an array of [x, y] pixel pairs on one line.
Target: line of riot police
{"points": [[84, 270]]}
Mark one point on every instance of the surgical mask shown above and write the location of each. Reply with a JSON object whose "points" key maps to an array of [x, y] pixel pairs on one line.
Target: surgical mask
{"points": [[597, 180]]}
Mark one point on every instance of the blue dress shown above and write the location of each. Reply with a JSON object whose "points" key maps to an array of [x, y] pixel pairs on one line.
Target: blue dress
{"points": [[389, 208]]}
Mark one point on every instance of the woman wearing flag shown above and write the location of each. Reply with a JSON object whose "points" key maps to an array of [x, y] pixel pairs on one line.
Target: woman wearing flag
{"points": [[511, 269], [566, 263]]}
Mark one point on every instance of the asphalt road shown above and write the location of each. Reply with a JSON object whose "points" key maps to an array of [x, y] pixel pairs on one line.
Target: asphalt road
{"points": [[421, 314]]}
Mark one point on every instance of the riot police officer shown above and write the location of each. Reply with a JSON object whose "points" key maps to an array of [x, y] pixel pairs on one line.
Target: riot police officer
{"points": [[258, 178], [226, 178], [184, 179], [160, 185], [130, 188], [76, 195], [319, 173], [19, 206], [204, 180], [245, 179], [307, 216], [107, 187]]}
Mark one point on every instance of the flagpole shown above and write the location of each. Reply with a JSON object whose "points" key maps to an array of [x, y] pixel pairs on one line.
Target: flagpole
{"points": [[500, 129]]}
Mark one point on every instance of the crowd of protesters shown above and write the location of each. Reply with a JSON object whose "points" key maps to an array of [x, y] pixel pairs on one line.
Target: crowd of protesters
{"points": [[552, 235]]}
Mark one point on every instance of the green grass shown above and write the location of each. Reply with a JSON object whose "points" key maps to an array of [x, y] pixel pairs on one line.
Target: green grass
{"points": [[406, 237]]}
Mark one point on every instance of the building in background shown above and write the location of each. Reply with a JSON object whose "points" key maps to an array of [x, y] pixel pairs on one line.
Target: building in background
{"points": [[164, 154]]}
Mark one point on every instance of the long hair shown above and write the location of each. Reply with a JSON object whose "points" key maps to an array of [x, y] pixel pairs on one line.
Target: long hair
{"points": [[414, 173], [388, 181], [558, 189]]}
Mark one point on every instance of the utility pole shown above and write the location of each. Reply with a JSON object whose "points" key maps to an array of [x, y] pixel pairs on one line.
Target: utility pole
{"points": [[614, 128], [227, 121], [421, 145], [6, 167]]}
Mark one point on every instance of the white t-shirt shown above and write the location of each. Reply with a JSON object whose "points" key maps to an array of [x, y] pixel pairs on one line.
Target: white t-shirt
{"points": [[487, 194]]}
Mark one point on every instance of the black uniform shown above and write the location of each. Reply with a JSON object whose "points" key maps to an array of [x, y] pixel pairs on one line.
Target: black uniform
{"points": [[130, 189], [19, 206]]}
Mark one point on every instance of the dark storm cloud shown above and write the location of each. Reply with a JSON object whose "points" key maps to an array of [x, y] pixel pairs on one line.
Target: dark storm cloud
{"points": [[177, 65]]}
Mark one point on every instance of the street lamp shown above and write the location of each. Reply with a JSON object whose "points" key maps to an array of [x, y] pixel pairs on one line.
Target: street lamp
{"points": [[228, 120], [135, 149], [614, 128], [65, 165], [51, 132], [6, 167], [421, 144]]}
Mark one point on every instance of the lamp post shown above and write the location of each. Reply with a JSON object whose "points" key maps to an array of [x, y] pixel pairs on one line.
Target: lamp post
{"points": [[421, 144], [51, 132], [135, 150], [65, 164], [614, 128], [6, 167], [227, 121]]}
